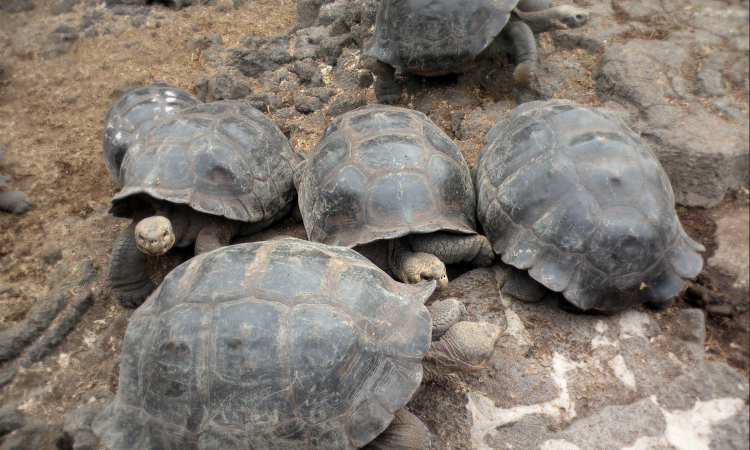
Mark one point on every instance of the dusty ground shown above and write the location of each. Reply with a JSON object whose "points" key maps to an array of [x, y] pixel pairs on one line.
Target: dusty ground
{"points": [[51, 119]]}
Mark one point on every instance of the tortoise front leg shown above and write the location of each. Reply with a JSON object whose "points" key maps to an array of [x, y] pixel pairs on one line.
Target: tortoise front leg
{"points": [[216, 234], [464, 348], [524, 50], [127, 270], [406, 432], [387, 89], [451, 248]]}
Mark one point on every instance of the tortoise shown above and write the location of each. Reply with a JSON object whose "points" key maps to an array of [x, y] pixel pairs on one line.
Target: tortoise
{"points": [[14, 202], [204, 175], [433, 38], [134, 114], [389, 183], [570, 193], [282, 344]]}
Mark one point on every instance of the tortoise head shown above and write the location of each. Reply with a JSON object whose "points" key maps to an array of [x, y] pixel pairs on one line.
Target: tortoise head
{"points": [[421, 267], [154, 235], [571, 17]]}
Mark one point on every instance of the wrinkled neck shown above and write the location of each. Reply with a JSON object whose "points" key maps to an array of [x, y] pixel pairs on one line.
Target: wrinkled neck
{"points": [[540, 21]]}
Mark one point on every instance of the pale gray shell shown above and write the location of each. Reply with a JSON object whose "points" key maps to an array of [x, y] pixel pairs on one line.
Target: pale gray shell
{"points": [[134, 114], [574, 196], [220, 158], [284, 344], [381, 172]]}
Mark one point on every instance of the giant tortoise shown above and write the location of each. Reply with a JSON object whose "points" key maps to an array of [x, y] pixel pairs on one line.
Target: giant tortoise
{"points": [[202, 176], [574, 196], [286, 345], [438, 37], [134, 114], [387, 182]]}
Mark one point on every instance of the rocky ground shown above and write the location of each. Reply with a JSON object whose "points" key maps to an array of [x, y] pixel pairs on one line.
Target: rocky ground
{"points": [[676, 71]]}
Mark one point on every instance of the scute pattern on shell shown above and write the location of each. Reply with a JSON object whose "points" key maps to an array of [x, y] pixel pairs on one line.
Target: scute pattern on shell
{"points": [[573, 195], [134, 114], [436, 37], [281, 344], [381, 172], [221, 158]]}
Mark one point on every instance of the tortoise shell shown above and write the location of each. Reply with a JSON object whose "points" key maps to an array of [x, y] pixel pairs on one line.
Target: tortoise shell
{"points": [[382, 172], [134, 114], [219, 158], [282, 344], [436, 37], [573, 195]]}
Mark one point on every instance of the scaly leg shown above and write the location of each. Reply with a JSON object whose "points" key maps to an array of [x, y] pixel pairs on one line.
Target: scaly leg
{"points": [[127, 270], [406, 432], [451, 248], [216, 234], [387, 89]]}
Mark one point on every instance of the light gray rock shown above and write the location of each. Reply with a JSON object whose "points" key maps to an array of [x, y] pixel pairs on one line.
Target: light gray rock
{"points": [[561, 381], [701, 164], [75, 432]]}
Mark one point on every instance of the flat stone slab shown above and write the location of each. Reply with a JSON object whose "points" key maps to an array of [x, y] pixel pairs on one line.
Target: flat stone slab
{"points": [[560, 381], [731, 255]]}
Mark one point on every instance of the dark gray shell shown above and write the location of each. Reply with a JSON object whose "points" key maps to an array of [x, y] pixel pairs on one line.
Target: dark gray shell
{"points": [[436, 37], [220, 158], [381, 172], [570, 193], [285, 344], [134, 114]]}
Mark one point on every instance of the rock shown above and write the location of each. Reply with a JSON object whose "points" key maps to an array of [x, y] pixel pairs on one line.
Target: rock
{"points": [[59, 41], [308, 74], [575, 381], [329, 12], [226, 84], [28, 436], [137, 21], [723, 310], [7, 374], [345, 102], [283, 118], [63, 6], [635, 81], [75, 432], [14, 6], [14, 340], [90, 33], [689, 325], [306, 104], [330, 48], [259, 55], [308, 10], [10, 419], [129, 11], [731, 433], [364, 79], [324, 94], [732, 229]]}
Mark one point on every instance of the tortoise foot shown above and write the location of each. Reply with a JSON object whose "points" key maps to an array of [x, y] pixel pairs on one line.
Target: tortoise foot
{"points": [[387, 91], [134, 297]]}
